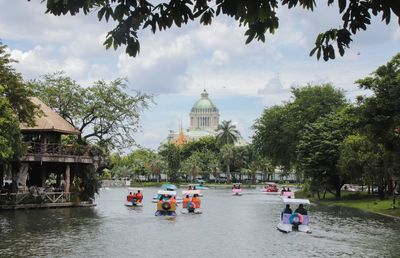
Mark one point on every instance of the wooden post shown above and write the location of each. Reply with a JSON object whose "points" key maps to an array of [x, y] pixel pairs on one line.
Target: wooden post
{"points": [[1, 175], [43, 176], [67, 178]]}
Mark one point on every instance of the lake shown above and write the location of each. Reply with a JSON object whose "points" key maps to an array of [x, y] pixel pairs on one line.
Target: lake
{"points": [[230, 226]]}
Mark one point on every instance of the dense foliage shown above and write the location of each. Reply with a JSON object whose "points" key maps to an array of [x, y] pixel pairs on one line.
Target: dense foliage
{"points": [[329, 142], [104, 113], [15, 108], [258, 16]]}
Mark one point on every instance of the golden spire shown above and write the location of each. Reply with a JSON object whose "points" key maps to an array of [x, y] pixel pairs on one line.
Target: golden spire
{"points": [[181, 139]]}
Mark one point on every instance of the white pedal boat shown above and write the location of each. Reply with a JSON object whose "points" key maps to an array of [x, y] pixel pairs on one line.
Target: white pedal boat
{"points": [[137, 203], [294, 222]]}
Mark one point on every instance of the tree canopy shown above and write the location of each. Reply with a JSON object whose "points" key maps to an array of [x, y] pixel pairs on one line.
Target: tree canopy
{"points": [[258, 16], [15, 108], [227, 133], [104, 113], [278, 130]]}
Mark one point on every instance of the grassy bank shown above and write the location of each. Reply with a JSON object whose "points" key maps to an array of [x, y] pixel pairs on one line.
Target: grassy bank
{"points": [[363, 201]]}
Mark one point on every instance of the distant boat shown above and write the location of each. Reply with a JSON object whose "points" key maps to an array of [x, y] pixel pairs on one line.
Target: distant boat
{"points": [[134, 202]]}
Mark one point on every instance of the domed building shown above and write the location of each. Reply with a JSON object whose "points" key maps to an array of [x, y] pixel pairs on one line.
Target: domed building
{"points": [[204, 121], [204, 114]]}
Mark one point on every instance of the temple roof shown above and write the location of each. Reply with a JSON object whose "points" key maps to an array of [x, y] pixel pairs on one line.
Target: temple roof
{"points": [[50, 121]]}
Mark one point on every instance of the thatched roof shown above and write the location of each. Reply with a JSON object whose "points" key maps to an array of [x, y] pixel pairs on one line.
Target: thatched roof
{"points": [[50, 121]]}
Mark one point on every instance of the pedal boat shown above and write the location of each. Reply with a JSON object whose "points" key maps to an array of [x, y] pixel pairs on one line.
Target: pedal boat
{"points": [[132, 203], [167, 187], [294, 222], [166, 207], [191, 207]]}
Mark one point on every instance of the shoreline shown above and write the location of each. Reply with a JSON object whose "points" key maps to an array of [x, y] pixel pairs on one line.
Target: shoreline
{"points": [[361, 201]]}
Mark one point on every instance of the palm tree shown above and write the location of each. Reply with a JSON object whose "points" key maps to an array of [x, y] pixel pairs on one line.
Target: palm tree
{"points": [[192, 166], [157, 165], [227, 133], [227, 156]]}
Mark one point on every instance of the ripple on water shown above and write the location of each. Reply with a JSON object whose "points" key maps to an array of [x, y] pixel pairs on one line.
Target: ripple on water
{"points": [[230, 226]]}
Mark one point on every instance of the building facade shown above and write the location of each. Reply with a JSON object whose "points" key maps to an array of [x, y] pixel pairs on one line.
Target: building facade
{"points": [[204, 114], [204, 120]]}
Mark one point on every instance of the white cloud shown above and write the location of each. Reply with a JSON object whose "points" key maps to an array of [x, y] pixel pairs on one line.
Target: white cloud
{"points": [[184, 60], [273, 86]]}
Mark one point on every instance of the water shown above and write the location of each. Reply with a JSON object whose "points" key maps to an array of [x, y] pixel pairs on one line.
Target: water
{"points": [[230, 226]]}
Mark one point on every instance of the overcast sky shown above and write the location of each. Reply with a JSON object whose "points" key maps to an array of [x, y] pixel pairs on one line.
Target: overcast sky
{"points": [[176, 65]]}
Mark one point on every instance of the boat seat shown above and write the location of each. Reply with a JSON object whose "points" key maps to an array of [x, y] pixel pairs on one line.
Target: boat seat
{"points": [[286, 219]]}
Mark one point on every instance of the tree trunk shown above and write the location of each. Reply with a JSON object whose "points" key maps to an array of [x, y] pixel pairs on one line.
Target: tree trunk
{"points": [[228, 173], [1, 175], [338, 193]]}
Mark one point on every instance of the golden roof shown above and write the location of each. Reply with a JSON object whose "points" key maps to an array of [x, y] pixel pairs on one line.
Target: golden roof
{"points": [[50, 121], [181, 139]]}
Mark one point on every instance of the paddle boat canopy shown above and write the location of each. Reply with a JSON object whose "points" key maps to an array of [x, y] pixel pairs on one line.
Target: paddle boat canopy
{"points": [[236, 190], [191, 207], [298, 220], [132, 199], [166, 205], [167, 187], [197, 187]]}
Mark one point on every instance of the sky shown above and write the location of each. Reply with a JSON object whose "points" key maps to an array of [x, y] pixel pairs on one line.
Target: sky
{"points": [[177, 64]]}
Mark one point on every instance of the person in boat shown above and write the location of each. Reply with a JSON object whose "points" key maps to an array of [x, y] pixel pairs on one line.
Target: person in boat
{"points": [[196, 201], [283, 190], [301, 210], [129, 197], [288, 190], [238, 187], [194, 187], [172, 199], [134, 198], [287, 210], [185, 202], [139, 196], [190, 187]]}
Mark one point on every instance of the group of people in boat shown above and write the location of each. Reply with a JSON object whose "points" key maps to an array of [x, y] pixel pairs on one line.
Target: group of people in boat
{"points": [[284, 189], [167, 198], [135, 197], [195, 200], [236, 187], [192, 188], [300, 210]]}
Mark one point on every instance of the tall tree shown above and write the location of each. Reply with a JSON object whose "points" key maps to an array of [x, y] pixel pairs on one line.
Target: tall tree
{"points": [[381, 116], [227, 133], [258, 16], [227, 155], [278, 129], [15, 108], [362, 158], [319, 150], [193, 165], [172, 156], [104, 113]]}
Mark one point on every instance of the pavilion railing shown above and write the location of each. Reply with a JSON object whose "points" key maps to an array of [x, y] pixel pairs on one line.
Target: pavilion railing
{"points": [[29, 198], [57, 149]]}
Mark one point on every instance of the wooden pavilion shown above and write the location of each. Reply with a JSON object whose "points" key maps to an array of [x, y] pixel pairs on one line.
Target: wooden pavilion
{"points": [[50, 172]]}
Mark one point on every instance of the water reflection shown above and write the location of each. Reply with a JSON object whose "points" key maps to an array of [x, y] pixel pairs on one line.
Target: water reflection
{"points": [[230, 226]]}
